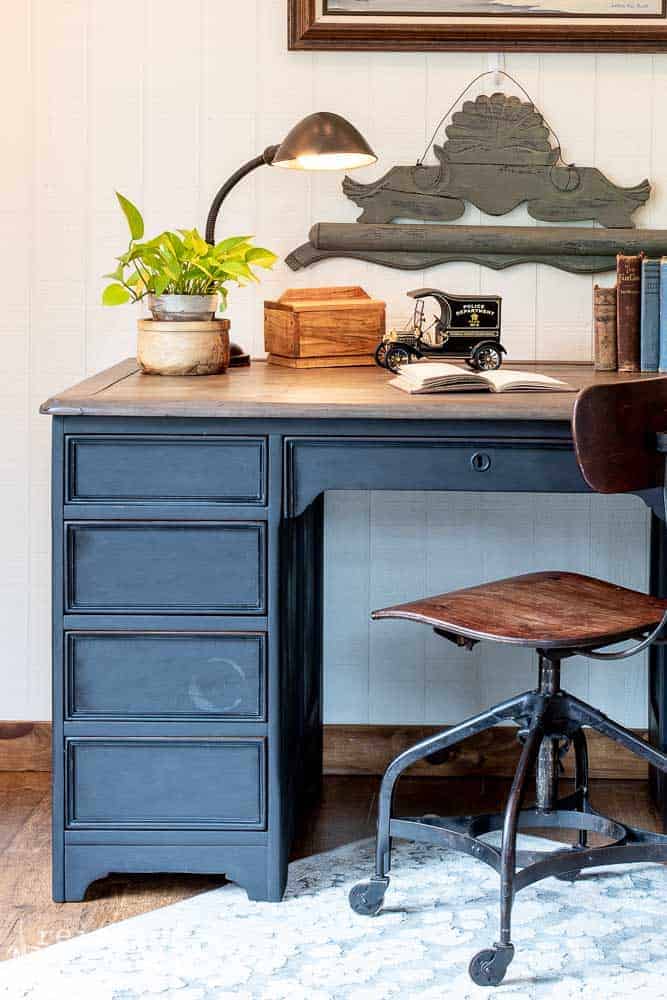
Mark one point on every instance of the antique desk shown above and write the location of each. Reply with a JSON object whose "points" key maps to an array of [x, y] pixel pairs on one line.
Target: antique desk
{"points": [[187, 595]]}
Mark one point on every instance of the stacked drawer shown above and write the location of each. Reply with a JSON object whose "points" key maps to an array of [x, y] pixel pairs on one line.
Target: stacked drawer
{"points": [[165, 655]]}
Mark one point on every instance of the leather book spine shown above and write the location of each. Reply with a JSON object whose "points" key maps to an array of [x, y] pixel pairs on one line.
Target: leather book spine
{"points": [[604, 328], [628, 310]]}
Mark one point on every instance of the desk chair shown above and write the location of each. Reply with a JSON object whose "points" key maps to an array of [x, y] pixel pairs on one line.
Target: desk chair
{"points": [[559, 615]]}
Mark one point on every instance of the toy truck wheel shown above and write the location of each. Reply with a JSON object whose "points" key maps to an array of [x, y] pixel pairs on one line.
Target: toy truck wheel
{"points": [[395, 358], [381, 355], [486, 358]]}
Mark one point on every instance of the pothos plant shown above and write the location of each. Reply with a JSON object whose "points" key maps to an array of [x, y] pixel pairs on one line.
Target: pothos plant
{"points": [[180, 263]]}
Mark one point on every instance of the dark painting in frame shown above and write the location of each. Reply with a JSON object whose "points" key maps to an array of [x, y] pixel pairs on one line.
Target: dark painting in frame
{"points": [[479, 25]]}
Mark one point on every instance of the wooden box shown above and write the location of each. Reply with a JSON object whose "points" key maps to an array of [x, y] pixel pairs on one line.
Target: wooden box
{"points": [[323, 327]]}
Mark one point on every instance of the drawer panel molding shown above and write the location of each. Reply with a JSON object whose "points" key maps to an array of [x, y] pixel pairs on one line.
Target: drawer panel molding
{"points": [[163, 567], [146, 783], [136, 469], [172, 676]]}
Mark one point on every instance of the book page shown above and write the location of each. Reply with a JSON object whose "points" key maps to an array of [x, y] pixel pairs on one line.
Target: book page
{"points": [[425, 371], [441, 385], [507, 379]]}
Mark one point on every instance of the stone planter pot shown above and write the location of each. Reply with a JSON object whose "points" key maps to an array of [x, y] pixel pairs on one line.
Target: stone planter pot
{"points": [[193, 348], [182, 308]]}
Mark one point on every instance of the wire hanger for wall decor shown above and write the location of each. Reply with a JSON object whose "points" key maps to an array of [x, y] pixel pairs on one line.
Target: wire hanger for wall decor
{"points": [[495, 73]]}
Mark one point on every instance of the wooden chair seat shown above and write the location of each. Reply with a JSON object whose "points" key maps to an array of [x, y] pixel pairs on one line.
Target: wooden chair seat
{"points": [[544, 610]]}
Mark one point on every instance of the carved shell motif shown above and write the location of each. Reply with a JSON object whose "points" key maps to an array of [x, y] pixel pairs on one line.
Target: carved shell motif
{"points": [[498, 129]]}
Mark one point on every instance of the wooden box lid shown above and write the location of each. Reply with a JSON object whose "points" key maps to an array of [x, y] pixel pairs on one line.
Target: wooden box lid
{"points": [[310, 299]]}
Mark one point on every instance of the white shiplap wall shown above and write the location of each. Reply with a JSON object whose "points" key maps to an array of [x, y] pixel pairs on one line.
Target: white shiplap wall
{"points": [[163, 100], [384, 548]]}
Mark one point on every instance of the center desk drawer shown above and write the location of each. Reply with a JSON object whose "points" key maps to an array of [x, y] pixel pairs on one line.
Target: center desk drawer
{"points": [[165, 567], [314, 465], [171, 675], [158, 468], [165, 783]]}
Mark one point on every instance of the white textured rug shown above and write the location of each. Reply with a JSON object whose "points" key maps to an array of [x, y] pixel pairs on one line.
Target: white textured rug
{"points": [[601, 938]]}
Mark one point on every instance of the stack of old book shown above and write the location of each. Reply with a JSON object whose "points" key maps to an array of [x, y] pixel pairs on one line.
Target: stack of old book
{"points": [[630, 319]]}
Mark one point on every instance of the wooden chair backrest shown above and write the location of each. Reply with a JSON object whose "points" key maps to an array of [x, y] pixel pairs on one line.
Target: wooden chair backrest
{"points": [[614, 428]]}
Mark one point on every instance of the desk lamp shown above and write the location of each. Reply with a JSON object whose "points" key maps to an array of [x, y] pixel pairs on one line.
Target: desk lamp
{"points": [[322, 141]]}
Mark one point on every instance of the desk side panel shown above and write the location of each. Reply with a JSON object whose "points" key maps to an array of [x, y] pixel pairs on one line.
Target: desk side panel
{"points": [[57, 660]]}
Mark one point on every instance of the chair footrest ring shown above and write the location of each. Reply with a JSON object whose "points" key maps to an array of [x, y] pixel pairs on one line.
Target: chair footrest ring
{"points": [[463, 833]]}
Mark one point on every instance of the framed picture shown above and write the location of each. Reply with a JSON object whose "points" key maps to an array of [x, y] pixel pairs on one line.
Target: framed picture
{"points": [[479, 25]]}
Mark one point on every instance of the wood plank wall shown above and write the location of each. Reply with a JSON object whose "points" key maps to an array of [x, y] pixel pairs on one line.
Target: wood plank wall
{"points": [[384, 548]]}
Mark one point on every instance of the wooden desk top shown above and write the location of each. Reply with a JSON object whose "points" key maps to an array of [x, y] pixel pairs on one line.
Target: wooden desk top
{"points": [[266, 391]]}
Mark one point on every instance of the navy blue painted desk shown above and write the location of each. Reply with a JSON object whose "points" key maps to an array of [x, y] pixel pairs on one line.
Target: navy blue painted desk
{"points": [[187, 607]]}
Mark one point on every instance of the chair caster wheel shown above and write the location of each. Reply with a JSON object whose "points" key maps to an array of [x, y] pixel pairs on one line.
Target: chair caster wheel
{"points": [[488, 967], [366, 897], [569, 876]]}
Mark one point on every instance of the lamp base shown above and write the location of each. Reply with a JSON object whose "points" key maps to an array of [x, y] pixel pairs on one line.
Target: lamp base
{"points": [[238, 357]]}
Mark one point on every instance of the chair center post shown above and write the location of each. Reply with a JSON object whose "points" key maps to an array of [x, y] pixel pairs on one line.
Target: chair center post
{"points": [[546, 772]]}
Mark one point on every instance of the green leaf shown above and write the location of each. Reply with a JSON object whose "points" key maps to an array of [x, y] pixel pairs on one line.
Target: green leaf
{"points": [[261, 257], [156, 242], [197, 265], [238, 253], [232, 241], [115, 295], [237, 269], [160, 283], [177, 245], [195, 241], [116, 275], [133, 216], [169, 263]]}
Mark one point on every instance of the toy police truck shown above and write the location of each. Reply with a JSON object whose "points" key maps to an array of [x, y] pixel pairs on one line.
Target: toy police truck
{"points": [[466, 328]]}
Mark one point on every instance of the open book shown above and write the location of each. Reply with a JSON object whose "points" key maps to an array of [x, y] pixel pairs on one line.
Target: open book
{"points": [[435, 376]]}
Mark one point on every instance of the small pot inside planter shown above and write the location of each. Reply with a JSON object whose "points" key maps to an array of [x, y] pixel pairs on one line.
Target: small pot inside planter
{"points": [[182, 308], [183, 348]]}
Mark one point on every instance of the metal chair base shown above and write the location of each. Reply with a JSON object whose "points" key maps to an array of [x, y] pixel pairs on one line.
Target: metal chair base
{"points": [[550, 721]]}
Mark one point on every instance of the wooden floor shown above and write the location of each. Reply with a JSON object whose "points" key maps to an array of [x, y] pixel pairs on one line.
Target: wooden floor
{"points": [[345, 812]]}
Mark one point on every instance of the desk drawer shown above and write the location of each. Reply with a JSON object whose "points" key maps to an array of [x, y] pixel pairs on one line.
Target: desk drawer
{"points": [[165, 784], [314, 465], [149, 676], [156, 468], [165, 567]]}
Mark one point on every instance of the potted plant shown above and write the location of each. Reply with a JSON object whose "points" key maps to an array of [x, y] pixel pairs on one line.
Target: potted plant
{"points": [[184, 281]]}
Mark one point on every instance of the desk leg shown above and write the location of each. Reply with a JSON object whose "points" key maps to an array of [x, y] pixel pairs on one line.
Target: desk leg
{"points": [[657, 688], [303, 560]]}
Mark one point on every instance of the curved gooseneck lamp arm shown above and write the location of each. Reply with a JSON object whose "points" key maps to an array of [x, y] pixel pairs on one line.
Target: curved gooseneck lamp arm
{"points": [[265, 160]]}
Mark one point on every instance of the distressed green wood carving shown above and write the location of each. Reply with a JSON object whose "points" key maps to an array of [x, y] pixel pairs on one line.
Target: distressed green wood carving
{"points": [[496, 157], [415, 247]]}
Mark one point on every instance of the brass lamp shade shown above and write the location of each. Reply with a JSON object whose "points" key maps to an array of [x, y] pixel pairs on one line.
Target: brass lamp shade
{"points": [[323, 141]]}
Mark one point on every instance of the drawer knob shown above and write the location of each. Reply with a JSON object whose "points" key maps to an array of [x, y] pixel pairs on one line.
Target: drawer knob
{"points": [[480, 461]]}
